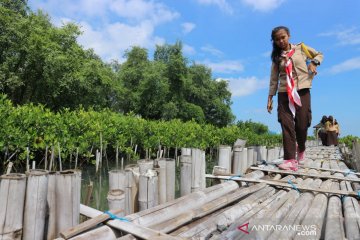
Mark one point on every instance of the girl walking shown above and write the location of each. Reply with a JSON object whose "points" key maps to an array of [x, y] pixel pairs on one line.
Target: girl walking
{"points": [[292, 71]]}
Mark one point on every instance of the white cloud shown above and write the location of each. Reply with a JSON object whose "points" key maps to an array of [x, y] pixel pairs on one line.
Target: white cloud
{"points": [[222, 4], [188, 27], [349, 36], [263, 5], [140, 10], [348, 65], [111, 41], [228, 66], [188, 50], [210, 49], [112, 26], [240, 87]]}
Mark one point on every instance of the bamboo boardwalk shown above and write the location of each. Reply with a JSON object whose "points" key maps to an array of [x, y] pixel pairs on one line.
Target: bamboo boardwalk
{"points": [[319, 201]]}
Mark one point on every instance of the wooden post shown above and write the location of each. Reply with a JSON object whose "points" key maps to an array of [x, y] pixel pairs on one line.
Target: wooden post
{"points": [[161, 171], [170, 179], [12, 198], [224, 157], [198, 170], [35, 204], [148, 190], [116, 201], [144, 165], [117, 180], [9, 167], [250, 156], [131, 189], [103, 232], [68, 189], [334, 219], [51, 200], [185, 175]]}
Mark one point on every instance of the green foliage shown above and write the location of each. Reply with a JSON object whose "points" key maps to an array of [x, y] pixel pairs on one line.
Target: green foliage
{"points": [[256, 127], [348, 140], [36, 127]]}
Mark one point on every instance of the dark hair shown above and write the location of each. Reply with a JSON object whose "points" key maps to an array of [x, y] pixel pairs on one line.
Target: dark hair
{"points": [[331, 119], [324, 119], [276, 52]]}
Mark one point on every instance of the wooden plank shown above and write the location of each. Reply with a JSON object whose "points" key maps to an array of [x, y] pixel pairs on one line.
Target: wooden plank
{"points": [[281, 184], [331, 170], [129, 227], [306, 174], [84, 226]]}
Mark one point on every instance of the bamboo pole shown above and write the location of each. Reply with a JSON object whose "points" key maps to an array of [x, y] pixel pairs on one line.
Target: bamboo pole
{"points": [[161, 170], [226, 217], [170, 179], [174, 208], [67, 187], [103, 232], [116, 201], [351, 213], [334, 221], [117, 180], [89, 191], [12, 197], [198, 169], [35, 204], [282, 184], [250, 156], [9, 167], [144, 165], [224, 157], [185, 175], [51, 200], [305, 174], [148, 190], [131, 189]]}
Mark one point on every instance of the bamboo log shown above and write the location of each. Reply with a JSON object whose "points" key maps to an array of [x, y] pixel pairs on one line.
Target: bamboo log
{"points": [[67, 187], [131, 189], [186, 151], [103, 232], [87, 225], [170, 179], [148, 190], [224, 157], [240, 161], [35, 204], [128, 227], [207, 208], [161, 170], [282, 184], [297, 212], [185, 175], [334, 221], [250, 156], [51, 202], [117, 180], [174, 208], [198, 169], [9, 167], [228, 216], [351, 213], [257, 212], [305, 174], [116, 201], [144, 165], [12, 198]]}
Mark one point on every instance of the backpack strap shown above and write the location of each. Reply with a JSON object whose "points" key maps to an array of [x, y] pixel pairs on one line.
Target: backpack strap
{"points": [[306, 51]]}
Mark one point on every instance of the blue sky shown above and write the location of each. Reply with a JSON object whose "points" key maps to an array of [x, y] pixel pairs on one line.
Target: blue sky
{"points": [[232, 37]]}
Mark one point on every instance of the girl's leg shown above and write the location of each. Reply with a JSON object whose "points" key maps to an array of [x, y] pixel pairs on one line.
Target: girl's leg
{"points": [[303, 119], [286, 120]]}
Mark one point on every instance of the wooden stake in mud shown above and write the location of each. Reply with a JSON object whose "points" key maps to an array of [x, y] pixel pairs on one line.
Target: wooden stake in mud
{"points": [[35, 204], [12, 197]]}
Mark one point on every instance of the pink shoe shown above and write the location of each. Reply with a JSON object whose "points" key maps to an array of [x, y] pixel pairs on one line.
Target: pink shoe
{"points": [[289, 165], [301, 158]]}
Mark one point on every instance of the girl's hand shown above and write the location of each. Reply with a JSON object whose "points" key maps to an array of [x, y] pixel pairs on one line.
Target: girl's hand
{"points": [[312, 68]]}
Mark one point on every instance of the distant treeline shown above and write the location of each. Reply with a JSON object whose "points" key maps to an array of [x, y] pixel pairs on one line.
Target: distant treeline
{"points": [[42, 63]]}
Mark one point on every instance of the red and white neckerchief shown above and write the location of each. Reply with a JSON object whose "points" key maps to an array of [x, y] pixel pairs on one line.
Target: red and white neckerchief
{"points": [[293, 95]]}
